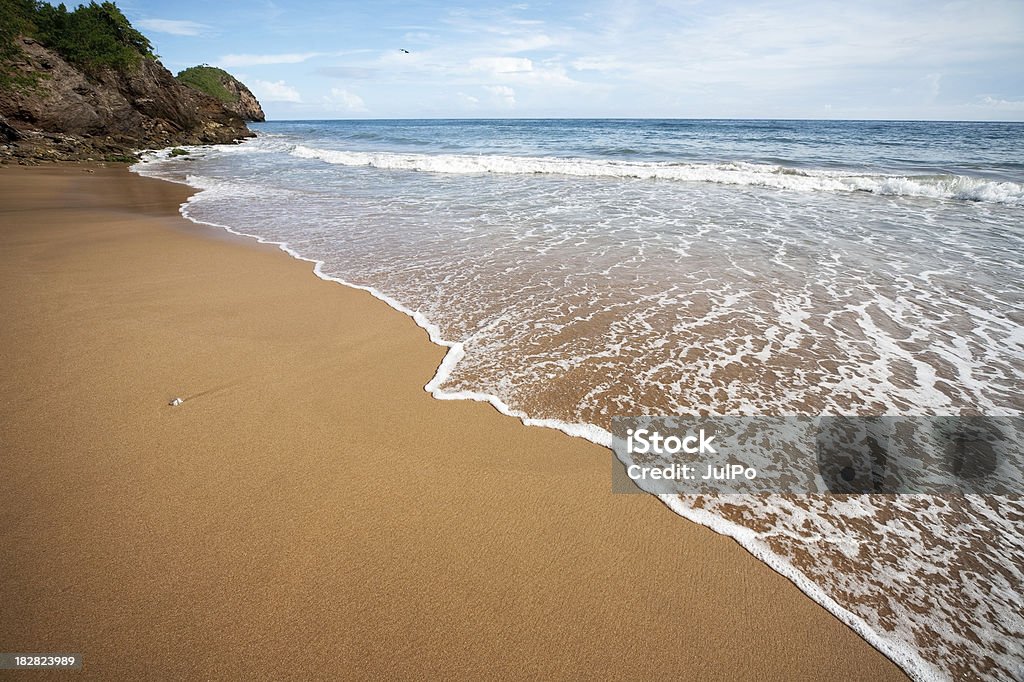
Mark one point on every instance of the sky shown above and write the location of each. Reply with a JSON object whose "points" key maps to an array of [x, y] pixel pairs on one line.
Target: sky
{"points": [[898, 59]]}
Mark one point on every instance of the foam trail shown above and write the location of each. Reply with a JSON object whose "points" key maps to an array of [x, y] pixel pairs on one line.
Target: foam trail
{"points": [[956, 187], [591, 432], [902, 655]]}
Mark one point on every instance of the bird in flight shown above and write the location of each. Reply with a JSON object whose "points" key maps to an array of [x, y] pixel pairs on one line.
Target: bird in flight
{"points": [[402, 49]]}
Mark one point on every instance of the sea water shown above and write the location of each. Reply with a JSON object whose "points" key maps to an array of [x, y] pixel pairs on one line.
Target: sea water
{"points": [[579, 269]]}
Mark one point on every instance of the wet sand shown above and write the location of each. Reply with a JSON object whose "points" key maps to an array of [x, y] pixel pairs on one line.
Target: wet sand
{"points": [[310, 511]]}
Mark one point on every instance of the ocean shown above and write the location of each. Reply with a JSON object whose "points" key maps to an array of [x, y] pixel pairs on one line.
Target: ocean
{"points": [[582, 269]]}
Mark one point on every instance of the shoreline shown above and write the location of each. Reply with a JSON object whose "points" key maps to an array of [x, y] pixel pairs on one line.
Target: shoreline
{"points": [[902, 655], [294, 384], [454, 349]]}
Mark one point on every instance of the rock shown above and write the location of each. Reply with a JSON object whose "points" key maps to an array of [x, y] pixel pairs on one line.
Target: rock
{"points": [[248, 107], [7, 132], [134, 108], [221, 85]]}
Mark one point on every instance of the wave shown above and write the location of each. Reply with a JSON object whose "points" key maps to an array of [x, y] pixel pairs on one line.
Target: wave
{"points": [[955, 187], [901, 653], [210, 188]]}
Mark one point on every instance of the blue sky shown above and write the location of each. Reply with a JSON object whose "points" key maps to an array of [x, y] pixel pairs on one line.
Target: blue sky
{"points": [[686, 59]]}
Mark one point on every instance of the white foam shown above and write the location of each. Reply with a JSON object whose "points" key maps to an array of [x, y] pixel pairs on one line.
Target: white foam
{"points": [[749, 174], [900, 653], [590, 432]]}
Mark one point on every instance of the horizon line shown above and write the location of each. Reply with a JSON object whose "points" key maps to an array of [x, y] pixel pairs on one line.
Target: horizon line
{"points": [[643, 118]]}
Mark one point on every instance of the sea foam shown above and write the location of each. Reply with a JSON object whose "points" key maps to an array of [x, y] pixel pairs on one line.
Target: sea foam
{"points": [[734, 173]]}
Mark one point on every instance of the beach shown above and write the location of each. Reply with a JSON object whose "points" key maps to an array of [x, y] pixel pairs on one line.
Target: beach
{"points": [[309, 510]]}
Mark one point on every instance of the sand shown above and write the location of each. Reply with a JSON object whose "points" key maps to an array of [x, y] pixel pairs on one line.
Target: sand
{"points": [[310, 511]]}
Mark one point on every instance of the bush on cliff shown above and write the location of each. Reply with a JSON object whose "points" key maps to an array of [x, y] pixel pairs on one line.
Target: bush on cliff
{"points": [[92, 36], [15, 20], [209, 79]]}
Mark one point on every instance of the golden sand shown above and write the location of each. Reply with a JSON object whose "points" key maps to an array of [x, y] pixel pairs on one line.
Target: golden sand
{"points": [[309, 510]]}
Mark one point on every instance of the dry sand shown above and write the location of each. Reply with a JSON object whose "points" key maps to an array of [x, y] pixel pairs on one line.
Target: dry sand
{"points": [[310, 511]]}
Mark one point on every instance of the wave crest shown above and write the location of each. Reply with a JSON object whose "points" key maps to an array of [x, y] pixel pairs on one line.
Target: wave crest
{"points": [[956, 187]]}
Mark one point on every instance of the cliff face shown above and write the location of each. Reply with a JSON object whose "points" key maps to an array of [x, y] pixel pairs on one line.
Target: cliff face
{"points": [[68, 114], [247, 106], [222, 85], [250, 108]]}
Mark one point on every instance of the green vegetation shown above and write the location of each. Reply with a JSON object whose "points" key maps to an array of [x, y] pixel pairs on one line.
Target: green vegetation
{"points": [[15, 18], [13, 22], [209, 79], [178, 151], [92, 36]]}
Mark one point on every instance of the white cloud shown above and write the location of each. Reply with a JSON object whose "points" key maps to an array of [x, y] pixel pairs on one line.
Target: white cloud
{"points": [[341, 99], [501, 65], [419, 37], [1008, 105], [787, 45], [521, 71], [526, 43], [503, 95], [275, 91], [261, 59], [174, 27], [599, 63]]}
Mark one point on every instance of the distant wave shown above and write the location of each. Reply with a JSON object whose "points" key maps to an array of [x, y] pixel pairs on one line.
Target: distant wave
{"points": [[957, 187]]}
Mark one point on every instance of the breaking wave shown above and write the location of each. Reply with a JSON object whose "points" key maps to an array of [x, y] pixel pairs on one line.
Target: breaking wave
{"points": [[956, 187]]}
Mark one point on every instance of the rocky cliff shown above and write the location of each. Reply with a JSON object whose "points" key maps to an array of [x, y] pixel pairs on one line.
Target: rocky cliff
{"points": [[58, 105], [221, 85]]}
